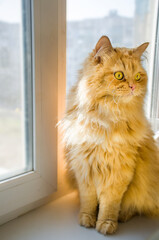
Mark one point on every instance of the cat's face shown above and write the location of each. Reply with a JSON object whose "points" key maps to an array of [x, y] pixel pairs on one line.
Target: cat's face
{"points": [[118, 72], [123, 75]]}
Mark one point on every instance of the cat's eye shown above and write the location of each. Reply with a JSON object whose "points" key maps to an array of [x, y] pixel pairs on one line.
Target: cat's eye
{"points": [[119, 75], [137, 77]]}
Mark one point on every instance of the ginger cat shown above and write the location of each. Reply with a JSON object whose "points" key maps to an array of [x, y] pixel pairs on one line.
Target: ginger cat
{"points": [[109, 142]]}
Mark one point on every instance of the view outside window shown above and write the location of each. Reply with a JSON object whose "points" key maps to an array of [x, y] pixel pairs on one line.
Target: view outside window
{"points": [[126, 23], [15, 90]]}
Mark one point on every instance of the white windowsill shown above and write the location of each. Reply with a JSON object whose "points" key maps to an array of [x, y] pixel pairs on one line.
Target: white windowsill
{"points": [[58, 220]]}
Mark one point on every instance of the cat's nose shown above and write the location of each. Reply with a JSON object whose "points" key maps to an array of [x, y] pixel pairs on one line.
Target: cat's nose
{"points": [[132, 86]]}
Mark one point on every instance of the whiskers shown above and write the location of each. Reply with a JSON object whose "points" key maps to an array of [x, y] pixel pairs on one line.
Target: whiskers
{"points": [[115, 100], [111, 101], [117, 112]]}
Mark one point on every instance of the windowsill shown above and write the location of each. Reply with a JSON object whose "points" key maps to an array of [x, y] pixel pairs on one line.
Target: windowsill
{"points": [[58, 220]]}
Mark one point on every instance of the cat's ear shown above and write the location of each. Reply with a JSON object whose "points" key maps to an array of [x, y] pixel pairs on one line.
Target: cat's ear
{"points": [[139, 50], [103, 46]]}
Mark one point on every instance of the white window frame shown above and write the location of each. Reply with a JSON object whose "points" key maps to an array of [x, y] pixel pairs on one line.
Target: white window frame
{"points": [[154, 105], [17, 193], [152, 61]]}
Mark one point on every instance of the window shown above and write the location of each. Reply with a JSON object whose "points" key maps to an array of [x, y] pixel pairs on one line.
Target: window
{"points": [[127, 23], [28, 106], [15, 100]]}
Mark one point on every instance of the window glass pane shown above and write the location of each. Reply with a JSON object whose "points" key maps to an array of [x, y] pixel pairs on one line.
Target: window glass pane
{"points": [[16, 89], [126, 23]]}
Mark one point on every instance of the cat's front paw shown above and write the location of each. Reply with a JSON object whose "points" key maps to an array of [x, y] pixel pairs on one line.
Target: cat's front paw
{"points": [[106, 227], [87, 220]]}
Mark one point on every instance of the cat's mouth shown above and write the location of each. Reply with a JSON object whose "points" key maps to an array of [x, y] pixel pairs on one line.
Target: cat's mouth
{"points": [[130, 94], [125, 93]]}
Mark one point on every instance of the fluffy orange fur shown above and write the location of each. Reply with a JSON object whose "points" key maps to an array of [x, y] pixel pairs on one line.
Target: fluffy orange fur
{"points": [[109, 142]]}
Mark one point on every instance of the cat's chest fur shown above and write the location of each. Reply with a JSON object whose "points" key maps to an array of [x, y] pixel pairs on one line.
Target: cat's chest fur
{"points": [[101, 150], [104, 133], [101, 162]]}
